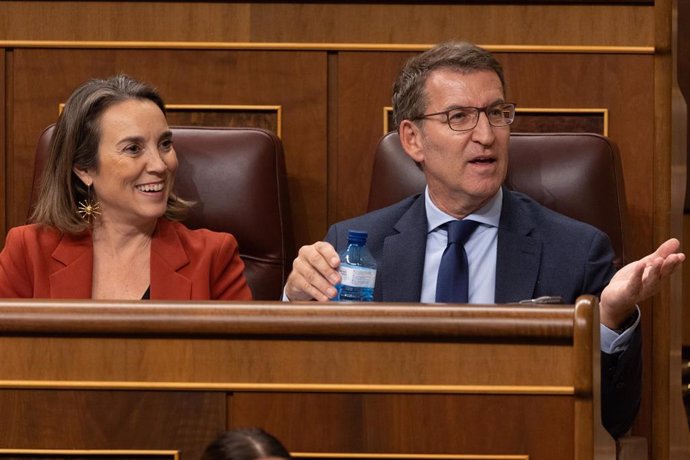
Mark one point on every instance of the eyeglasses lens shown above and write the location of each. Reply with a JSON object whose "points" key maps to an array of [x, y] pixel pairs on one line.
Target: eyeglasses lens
{"points": [[466, 118]]}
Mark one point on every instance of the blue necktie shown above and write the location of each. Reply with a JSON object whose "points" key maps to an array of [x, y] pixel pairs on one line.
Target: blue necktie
{"points": [[452, 284]]}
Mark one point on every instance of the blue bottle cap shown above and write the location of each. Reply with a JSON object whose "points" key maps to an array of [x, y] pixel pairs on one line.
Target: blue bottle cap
{"points": [[357, 237]]}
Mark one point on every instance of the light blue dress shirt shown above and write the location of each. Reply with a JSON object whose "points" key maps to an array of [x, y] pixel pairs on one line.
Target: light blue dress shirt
{"points": [[481, 251]]}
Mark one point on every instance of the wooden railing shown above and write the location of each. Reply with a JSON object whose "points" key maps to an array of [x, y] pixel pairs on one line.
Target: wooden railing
{"points": [[160, 380]]}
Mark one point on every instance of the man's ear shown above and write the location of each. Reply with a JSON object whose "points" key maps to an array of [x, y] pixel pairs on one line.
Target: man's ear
{"points": [[84, 175], [411, 140]]}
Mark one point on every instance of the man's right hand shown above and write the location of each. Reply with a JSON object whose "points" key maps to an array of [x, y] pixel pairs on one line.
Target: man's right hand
{"points": [[314, 273]]}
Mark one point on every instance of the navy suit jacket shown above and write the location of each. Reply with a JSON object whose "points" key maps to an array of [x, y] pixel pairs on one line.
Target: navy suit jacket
{"points": [[540, 252]]}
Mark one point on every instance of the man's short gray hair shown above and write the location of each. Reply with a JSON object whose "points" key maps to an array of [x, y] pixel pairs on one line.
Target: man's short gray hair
{"points": [[409, 100]]}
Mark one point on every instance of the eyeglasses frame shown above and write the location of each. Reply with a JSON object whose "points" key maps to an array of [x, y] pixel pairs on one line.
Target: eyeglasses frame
{"points": [[480, 110]]}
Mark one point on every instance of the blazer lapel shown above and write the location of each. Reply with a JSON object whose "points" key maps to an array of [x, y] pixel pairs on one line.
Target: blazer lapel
{"points": [[167, 257], [518, 253], [74, 280], [403, 256]]}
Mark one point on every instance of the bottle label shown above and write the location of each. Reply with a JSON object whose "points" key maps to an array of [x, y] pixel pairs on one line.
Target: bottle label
{"points": [[357, 276]]}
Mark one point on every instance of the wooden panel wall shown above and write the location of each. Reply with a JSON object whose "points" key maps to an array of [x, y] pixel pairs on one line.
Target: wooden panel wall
{"points": [[321, 22], [329, 174], [424, 23], [364, 423], [330, 66], [60, 419], [43, 78]]}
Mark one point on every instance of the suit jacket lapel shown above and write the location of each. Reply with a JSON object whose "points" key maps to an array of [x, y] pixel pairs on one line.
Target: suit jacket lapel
{"points": [[518, 253], [403, 257], [74, 280], [167, 257]]}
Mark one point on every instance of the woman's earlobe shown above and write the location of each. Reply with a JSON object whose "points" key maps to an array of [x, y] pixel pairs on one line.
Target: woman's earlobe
{"points": [[84, 175]]}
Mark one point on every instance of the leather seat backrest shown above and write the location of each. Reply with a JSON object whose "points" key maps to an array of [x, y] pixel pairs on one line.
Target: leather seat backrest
{"points": [[576, 174], [237, 178]]}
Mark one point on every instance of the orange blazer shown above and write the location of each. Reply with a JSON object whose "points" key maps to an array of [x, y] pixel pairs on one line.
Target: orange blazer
{"points": [[41, 262]]}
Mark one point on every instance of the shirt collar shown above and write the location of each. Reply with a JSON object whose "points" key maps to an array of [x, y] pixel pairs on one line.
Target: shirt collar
{"points": [[489, 214]]}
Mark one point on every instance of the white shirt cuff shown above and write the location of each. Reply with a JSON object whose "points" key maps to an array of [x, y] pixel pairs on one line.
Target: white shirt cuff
{"points": [[612, 341]]}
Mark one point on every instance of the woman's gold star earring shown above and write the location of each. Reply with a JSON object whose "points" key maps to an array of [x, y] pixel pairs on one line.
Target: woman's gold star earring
{"points": [[89, 209]]}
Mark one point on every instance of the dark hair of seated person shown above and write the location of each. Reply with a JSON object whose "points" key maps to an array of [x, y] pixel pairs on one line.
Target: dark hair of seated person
{"points": [[245, 444], [75, 145]]}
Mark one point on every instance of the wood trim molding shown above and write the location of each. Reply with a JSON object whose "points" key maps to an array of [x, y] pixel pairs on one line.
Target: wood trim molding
{"points": [[292, 387], [351, 455], [579, 49], [604, 112], [278, 109], [173, 454], [154, 318]]}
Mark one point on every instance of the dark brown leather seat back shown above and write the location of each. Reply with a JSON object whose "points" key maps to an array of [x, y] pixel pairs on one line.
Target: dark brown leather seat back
{"points": [[237, 178], [576, 174]]}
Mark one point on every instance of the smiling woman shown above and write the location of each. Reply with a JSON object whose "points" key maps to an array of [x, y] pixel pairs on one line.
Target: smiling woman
{"points": [[106, 224], [136, 163]]}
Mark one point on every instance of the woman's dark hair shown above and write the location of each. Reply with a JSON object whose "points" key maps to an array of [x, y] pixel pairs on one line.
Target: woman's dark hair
{"points": [[245, 444], [75, 144]]}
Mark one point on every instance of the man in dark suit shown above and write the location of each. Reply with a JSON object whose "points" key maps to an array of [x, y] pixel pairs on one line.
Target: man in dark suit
{"points": [[453, 120]]}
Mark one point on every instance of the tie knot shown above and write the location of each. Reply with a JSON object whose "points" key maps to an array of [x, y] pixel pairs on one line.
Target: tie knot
{"points": [[459, 231]]}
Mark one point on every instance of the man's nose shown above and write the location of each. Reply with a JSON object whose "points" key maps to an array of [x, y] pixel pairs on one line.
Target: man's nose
{"points": [[483, 132]]}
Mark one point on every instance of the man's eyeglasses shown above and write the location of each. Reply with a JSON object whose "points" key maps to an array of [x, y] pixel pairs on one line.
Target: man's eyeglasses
{"points": [[466, 118]]}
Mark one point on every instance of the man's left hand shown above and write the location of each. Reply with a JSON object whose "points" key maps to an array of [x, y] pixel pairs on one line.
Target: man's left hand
{"points": [[638, 281]]}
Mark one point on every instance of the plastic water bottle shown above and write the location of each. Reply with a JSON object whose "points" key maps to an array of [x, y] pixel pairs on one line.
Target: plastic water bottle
{"points": [[357, 270]]}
